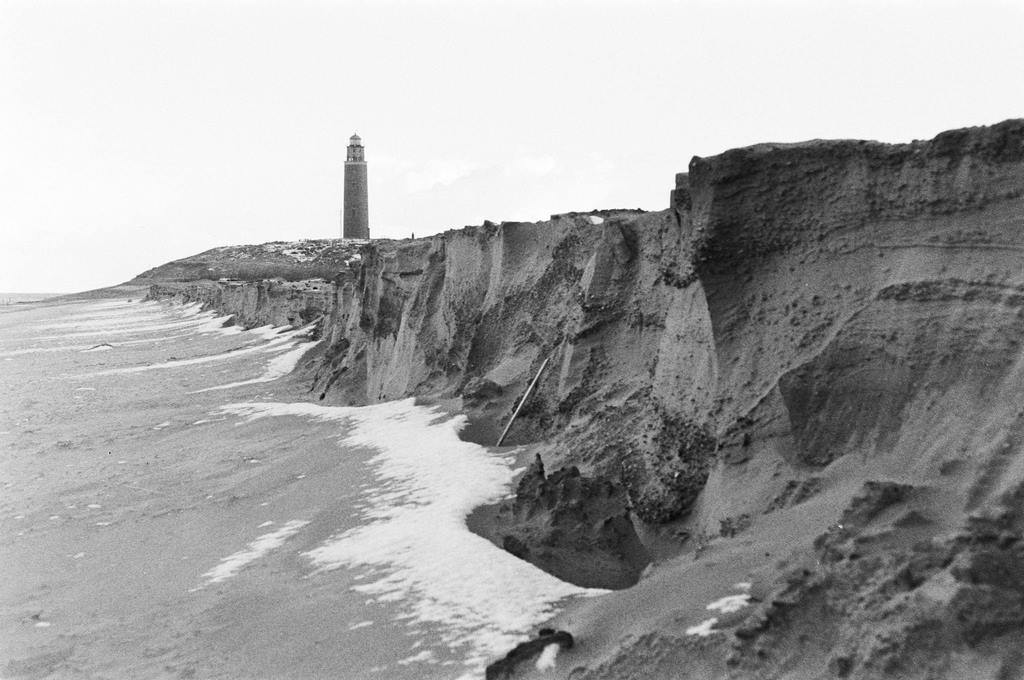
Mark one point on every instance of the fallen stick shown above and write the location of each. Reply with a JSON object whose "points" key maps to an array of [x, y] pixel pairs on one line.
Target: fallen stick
{"points": [[526, 395]]}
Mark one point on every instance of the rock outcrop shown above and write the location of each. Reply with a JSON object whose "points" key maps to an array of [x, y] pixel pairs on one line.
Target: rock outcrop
{"points": [[805, 375]]}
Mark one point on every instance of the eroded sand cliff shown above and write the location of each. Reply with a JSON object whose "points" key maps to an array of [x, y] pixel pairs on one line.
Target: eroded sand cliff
{"points": [[805, 377]]}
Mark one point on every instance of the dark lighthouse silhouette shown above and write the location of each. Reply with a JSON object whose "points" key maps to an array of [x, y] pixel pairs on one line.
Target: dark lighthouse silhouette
{"points": [[355, 214]]}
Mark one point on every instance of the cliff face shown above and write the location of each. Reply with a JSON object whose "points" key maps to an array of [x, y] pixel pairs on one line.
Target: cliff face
{"points": [[476, 312], [846, 280], [257, 303], [806, 374], [867, 309]]}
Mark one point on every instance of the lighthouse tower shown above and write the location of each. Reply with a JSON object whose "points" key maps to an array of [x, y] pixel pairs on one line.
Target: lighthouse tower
{"points": [[355, 219]]}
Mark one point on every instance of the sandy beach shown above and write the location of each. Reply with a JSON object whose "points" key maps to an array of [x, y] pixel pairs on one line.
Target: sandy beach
{"points": [[159, 519]]}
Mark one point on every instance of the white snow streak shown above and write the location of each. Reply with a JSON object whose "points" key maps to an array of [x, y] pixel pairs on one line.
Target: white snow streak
{"points": [[277, 344], [232, 564], [413, 547], [730, 603], [279, 366], [704, 628], [546, 660]]}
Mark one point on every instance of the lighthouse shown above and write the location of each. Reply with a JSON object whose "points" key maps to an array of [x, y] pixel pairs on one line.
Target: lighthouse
{"points": [[355, 216]]}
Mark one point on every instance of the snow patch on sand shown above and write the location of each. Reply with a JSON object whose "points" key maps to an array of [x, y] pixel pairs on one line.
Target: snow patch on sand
{"points": [[139, 319], [726, 605], [269, 332], [232, 564], [704, 628], [546, 660], [730, 603], [414, 548], [215, 324], [281, 342], [279, 366]]}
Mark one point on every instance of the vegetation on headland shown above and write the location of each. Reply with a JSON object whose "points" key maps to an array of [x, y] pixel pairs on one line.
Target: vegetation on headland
{"points": [[288, 260]]}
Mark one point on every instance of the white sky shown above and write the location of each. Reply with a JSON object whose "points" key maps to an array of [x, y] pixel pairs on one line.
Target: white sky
{"points": [[134, 133]]}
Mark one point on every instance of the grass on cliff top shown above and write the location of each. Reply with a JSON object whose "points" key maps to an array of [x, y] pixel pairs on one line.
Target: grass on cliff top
{"points": [[288, 260]]}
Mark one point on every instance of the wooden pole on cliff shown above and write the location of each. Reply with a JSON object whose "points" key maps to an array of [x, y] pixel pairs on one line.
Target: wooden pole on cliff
{"points": [[526, 395]]}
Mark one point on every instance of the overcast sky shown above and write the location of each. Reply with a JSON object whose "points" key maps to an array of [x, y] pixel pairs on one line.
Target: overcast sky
{"points": [[134, 133]]}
